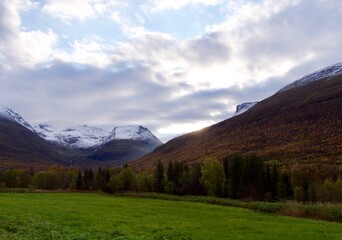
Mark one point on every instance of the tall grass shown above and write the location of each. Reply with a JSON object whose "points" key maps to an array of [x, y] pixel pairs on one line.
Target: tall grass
{"points": [[320, 211], [14, 190]]}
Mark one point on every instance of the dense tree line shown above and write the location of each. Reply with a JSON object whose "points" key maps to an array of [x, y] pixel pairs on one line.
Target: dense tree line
{"points": [[236, 177]]}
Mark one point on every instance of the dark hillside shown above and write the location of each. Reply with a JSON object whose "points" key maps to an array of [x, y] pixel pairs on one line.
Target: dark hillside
{"points": [[21, 148]]}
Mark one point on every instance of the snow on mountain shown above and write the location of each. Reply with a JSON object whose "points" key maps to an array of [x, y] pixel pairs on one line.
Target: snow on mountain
{"points": [[326, 72], [134, 132], [80, 137], [244, 107], [86, 136], [15, 117], [45, 131]]}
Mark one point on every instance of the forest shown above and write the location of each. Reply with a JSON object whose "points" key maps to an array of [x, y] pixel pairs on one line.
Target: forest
{"points": [[248, 178]]}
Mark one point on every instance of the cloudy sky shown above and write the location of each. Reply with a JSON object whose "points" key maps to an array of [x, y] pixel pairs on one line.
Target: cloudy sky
{"points": [[171, 65]]}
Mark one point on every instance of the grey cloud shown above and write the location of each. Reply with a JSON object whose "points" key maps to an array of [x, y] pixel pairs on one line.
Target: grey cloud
{"points": [[306, 30], [7, 21], [207, 49]]}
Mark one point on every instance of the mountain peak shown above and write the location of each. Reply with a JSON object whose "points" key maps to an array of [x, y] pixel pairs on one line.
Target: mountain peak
{"points": [[134, 132], [326, 72], [9, 114]]}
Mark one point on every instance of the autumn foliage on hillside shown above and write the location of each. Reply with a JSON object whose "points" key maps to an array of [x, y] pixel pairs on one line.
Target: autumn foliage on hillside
{"points": [[299, 125]]}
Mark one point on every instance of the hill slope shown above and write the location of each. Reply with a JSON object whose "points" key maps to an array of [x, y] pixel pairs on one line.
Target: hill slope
{"points": [[21, 148], [298, 124]]}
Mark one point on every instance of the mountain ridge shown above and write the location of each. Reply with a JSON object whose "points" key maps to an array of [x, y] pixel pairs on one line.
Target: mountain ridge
{"points": [[301, 124], [326, 72]]}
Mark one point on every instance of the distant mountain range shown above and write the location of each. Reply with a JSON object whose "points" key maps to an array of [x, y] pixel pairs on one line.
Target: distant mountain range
{"points": [[301, 123], [22, 145], [87, 137]]}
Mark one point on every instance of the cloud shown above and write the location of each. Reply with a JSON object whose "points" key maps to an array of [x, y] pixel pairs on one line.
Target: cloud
{"points": [[206, 49], [18, 46], [272, 37], [89, 50], [67, 10], [74, 10], [160, 5]]}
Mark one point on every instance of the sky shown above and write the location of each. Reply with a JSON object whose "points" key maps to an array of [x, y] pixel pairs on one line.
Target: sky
{"points": [[173, 66]]}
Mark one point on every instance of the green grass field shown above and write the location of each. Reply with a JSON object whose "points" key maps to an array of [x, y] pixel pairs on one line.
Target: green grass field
{"points": [[95, 216]]}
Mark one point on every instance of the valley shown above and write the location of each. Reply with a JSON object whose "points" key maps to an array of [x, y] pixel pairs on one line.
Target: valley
{"points": [[170, 120]]}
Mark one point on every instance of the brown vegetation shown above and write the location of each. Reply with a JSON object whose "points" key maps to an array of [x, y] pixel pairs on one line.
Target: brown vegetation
{"points": [[300, 125]]}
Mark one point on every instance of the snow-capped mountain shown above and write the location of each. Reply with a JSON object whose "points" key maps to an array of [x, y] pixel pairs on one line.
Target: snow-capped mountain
{"points": [[244, 107], [45, 131], [134, 132], [9, 114], [326, 72], [78, 137], [82, 136], [86, 136]]}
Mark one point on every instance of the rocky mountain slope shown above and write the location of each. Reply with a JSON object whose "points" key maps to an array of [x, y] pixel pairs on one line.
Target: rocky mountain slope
{"points": [[299, 124]]}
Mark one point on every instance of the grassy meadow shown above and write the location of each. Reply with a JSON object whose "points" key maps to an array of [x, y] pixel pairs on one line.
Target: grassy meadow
{"points": [[94, 216]]}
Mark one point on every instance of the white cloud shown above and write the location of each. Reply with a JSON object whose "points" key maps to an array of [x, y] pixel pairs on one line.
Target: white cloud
{"points": [[67, 10], [23, 5], [160, 5], [88, 51], [34, 47], [23, 47], [81, 10], [270, 38]]}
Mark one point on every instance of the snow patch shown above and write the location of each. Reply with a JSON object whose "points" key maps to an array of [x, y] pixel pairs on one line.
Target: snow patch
{"points": [[78, 137], [326, 72], [244, 107]]}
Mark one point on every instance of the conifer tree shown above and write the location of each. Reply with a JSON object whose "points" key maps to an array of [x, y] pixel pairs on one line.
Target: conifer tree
{"points": [[159, 176]]}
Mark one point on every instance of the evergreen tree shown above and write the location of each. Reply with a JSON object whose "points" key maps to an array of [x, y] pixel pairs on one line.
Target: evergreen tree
{"points": [[79, 181], [254, 187], [88, 179], [159, 177], [195, 186], [170, 172], [226, 176], [184, 180], [236, 174], [285, 188], [102, 178]]}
